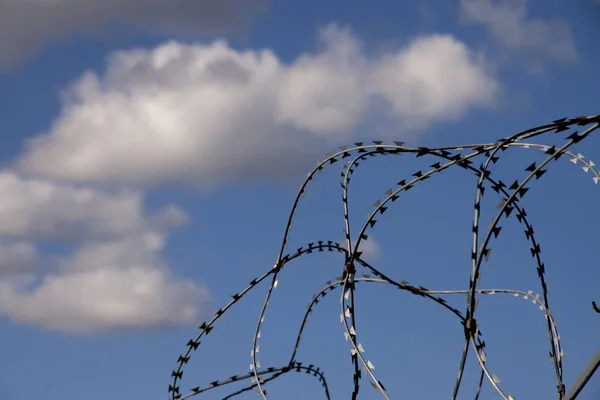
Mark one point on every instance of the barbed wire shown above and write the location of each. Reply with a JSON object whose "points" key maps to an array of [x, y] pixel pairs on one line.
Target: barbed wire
{"points": [[450, 156]]}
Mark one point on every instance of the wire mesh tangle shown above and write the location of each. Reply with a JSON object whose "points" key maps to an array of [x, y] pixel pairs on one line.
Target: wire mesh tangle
{"points": [[445, 158]]}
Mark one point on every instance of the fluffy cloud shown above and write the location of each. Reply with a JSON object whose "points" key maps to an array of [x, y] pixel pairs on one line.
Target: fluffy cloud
{"points": [[208, 113], [25, 25], [508, 23], [102, 289], [115, 278], [370, 249], [17, 257], [34, 208], [105, 300]]}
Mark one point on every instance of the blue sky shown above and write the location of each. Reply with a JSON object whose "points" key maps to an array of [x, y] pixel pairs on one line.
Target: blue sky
{"points": [[151, 152]]}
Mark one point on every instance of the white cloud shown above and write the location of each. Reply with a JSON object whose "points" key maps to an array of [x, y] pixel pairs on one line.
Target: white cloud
{"points": [[203, 115], [115, 278], [507, 21], [326, 92], [434, 78], [26, 25], [142, 249], [371, 251], [17, 257], [209, 114], [35, 208], [109, 298]]}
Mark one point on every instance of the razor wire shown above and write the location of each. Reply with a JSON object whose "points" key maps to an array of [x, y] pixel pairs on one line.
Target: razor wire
{"points": [[447, 157]]}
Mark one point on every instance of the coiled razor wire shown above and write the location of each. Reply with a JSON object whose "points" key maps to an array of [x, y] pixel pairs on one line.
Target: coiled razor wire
{"points": [[447, 157]]}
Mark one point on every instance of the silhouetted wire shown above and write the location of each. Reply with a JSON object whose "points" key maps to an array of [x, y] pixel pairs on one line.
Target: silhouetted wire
{"points": [[450, 156]]}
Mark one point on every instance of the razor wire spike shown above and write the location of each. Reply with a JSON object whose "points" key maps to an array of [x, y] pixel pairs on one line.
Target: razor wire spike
{"points": [[495, 379]]}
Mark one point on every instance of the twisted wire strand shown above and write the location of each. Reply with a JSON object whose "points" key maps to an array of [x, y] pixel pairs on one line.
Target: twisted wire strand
{"points": [[472, 328], [497, 187], [510, 202], [427, 293], [519, 188], [272, 371]]}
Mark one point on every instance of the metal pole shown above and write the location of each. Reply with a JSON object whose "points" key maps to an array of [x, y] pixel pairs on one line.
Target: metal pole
{"points": [[585, 376]]}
